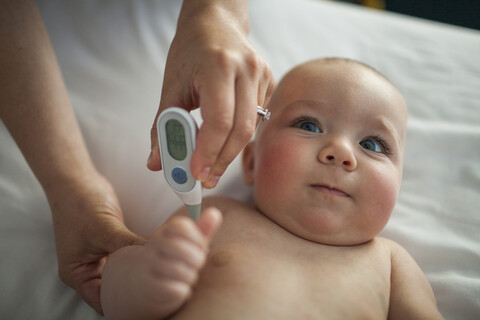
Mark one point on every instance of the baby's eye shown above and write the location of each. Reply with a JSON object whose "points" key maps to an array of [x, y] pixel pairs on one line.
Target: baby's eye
{"points": [[375, 145], [308, 125]]}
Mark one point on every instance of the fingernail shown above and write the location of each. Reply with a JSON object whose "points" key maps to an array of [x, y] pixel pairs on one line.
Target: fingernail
{"points": [[212, 181], [204, 174], [150, 158]]}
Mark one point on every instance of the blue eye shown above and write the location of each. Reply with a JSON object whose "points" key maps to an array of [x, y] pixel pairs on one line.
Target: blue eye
{"points": [[308, 125], [375, 145]]}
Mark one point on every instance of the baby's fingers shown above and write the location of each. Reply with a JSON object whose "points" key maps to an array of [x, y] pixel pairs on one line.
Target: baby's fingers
{"points": [[182, 250], [180, 238], [176, 270]]}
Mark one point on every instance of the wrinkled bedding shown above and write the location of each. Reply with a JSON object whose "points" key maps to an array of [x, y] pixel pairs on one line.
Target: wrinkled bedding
{"points": [[112, 56]]}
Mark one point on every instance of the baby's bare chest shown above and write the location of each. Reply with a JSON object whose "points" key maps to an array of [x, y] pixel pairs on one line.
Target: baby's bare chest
{"points": [[264, 272]]}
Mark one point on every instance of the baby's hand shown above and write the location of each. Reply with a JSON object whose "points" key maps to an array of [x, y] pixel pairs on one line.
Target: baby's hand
{"points": [[154, 280], [180, 249]]}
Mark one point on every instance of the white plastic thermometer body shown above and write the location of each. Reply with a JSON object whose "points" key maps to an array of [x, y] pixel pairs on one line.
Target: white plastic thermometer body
{"points": [[177, 132]]}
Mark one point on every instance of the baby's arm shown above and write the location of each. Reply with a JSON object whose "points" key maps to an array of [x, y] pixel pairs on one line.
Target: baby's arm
{"points": [[153, 280], [411, 295]]}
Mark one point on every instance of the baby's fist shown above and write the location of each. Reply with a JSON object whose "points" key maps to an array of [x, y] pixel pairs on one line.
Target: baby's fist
{"points": [[154, 280], [181, 246]]}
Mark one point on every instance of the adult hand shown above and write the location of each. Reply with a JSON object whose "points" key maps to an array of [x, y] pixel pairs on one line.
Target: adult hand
{"points": [[35, 108], [212, 65], [154, 280], [88, 226]]}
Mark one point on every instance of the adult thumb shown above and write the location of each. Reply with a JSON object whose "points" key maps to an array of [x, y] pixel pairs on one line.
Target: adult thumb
{"points": [[154, 162], [209, 222]]}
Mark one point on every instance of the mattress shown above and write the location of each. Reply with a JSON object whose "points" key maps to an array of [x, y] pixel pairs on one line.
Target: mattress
{"points": [[112, 55]]}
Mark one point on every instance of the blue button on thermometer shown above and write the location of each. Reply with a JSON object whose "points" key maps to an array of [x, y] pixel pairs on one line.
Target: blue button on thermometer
{"points": [[177, 132]]}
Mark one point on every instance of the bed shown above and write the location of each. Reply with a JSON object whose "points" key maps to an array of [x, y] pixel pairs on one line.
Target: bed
{"points": [[112, 56]]}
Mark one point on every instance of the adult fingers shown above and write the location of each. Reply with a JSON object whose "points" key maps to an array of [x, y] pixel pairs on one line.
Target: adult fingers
{"points": [[217, 102], [254, 86], [171, 96], [266, 86], [242, 131], [154, 162]]}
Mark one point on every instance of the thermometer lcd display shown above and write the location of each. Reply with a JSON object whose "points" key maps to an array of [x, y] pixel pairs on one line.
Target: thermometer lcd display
{"points": [[176, 139]]}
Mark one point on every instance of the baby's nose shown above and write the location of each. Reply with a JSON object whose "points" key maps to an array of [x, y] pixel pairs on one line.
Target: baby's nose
{"points": [[340, 153]]}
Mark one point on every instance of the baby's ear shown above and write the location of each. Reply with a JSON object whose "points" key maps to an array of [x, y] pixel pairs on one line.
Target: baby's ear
{"points": [[248, 163]]}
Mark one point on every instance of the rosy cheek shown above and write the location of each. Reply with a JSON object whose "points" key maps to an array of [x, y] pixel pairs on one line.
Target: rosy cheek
{"points": [[382, 195], [274, 168]]}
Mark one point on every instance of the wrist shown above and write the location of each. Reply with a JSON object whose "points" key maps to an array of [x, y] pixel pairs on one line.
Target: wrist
{"points": [[69, 171], [71, 189], [234, 13]]}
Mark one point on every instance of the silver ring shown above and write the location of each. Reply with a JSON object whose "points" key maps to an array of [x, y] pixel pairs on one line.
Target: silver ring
{"points": [[264, 113]]}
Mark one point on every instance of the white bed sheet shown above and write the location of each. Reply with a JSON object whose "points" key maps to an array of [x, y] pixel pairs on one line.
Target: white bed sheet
{"points": [[112, 54]]}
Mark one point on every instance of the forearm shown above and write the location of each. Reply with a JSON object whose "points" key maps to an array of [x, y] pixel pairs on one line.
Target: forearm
{"points": [[34, 103]]}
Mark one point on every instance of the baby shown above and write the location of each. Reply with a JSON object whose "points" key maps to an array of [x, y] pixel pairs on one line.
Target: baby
{"points": [[326, 170]]}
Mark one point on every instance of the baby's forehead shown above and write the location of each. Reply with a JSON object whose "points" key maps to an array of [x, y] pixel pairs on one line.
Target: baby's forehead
{"points": [[339, 75], [339, 71], [337, 82], [333, 70]]}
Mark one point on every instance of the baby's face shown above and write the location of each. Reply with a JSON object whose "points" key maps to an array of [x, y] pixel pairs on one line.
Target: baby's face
{"points": [[327, 166]]}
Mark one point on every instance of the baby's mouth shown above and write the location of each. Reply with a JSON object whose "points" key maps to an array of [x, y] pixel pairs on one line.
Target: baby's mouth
{"points": [[330, 191]]}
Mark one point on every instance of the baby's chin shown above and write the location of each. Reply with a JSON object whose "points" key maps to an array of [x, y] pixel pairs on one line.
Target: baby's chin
{"points": [[327, 235], [334, 239]]}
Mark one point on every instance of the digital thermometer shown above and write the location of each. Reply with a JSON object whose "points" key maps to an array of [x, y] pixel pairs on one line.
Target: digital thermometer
{"points": [[177, 132]]}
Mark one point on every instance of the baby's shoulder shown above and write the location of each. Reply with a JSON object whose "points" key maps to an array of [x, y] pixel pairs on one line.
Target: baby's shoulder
{"points": [[388, 244], [394, 249]]}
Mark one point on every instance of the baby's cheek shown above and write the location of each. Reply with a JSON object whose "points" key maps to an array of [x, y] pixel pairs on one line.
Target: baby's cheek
{"points": [[382, 196], [274, 171]]}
